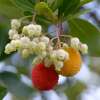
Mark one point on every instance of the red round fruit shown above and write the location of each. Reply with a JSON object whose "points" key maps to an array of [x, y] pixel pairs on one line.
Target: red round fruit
{"points": [[44, 78]]}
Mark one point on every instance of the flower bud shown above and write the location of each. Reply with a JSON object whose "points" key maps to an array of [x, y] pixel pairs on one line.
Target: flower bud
{"points": [[16, 43], [53, 56], [75, 43], [43, 54], [36, 39], [29, 30], [25, 30], [40, 49], [58, 65], [26, 43], [9, 48], [34, 46], [44, 39], [65, 46], [84, 48], [41, 46], [15, 24], [32, 30], [25, 53], [37, 60], [61, 54], [16, 36], [38, 30], [11, 33]]}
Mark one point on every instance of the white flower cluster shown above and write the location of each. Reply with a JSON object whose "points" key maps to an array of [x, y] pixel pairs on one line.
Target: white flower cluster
{"points": [[13, 32], [31, 41], [58, 56], [54, 57], [32, 30], [75, 43], [15, 24]]}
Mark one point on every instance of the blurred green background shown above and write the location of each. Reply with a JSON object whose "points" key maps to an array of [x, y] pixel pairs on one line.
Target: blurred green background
{"points": [[15, 82]]}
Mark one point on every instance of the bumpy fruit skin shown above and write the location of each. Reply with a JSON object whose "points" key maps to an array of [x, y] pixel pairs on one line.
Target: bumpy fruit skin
{"points": [[44, 78], [73, 64]]}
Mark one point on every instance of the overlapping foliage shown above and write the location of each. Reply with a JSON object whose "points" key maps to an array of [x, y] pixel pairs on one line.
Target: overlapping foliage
{"points": [[48, 13]]}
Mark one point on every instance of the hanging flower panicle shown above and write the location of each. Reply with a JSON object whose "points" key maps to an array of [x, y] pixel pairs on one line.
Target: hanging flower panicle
{"points": [[65, 60], [31, 40]]}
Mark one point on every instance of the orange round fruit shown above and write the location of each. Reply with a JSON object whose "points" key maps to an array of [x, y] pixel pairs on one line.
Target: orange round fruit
{"points": [[73, 64]]}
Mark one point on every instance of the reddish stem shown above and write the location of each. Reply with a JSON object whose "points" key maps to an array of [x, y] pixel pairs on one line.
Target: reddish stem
{"points": [[58, 38]]}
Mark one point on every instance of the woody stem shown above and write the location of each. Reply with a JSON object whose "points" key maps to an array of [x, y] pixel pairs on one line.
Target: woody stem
{"points": [[58, 38], [33, 18], [59, 32]]}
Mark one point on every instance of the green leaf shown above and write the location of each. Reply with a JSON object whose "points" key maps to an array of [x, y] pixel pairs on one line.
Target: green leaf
{"points": [[74, 90], [56, 4], [46, 1], [27, 13], [32, 1], [2, 92], [14, 84], [43, 9], [24, 5], [71, 6], [9, 10], [65, 7], [83, 2], [87, 33], [3, 40], [79, 13], [43, 21]]}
